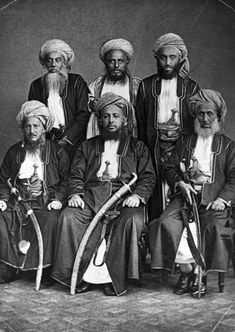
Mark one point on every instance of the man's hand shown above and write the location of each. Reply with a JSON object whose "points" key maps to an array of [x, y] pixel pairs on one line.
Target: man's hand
{"points": [[132, 201], [76, 201], [186, 190], [54, 205], [217, 205], [3, 205]]}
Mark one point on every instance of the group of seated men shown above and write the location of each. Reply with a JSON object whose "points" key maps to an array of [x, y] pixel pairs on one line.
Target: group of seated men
{"points": [[160, 134]]}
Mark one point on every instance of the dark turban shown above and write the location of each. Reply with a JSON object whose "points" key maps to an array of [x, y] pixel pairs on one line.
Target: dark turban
{"points": [[116, 44], [56, 45], [173, 40], [38, 110], [211, 98]]}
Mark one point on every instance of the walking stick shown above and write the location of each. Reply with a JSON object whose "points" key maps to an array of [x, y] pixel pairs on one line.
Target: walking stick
{"points": [[122, 191], [30, 214]]}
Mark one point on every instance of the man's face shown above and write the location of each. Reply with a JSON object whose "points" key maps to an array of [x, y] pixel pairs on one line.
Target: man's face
{"points": [[116, 63], [206, 116], [168, 59], [55, 62], [112, 118], [33, 130]]}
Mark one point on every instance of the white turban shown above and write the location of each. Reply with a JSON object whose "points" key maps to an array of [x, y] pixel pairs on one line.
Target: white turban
{"points": [[38, 110], [173, 40], [116, 44], [56, 45]]}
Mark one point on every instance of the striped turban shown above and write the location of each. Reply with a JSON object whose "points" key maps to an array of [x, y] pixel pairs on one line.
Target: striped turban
{"points": [[116, 44], [37, 110], [173, 40], [210, 98], [56, 45], [109, 98]]}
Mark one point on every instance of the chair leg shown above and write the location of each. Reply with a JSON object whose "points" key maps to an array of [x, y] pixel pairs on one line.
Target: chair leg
{"points": [[221, 281]]}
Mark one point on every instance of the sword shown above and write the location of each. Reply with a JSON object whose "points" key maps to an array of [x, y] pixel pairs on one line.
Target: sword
{"points": [[30, 214], [122, 191], [195, 250]]}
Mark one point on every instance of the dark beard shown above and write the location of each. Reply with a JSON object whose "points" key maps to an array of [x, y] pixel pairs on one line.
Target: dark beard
{"points": [[34, 146], [107, 135], [121, 79], [54, 82], [168, 76]]}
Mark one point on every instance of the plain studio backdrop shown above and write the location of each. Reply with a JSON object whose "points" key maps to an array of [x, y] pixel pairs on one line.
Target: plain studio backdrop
{"points": [[207, 27]]}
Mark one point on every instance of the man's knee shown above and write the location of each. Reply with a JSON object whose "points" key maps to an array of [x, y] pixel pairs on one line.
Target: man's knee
{"points": [[133, 217], [71, 216]]}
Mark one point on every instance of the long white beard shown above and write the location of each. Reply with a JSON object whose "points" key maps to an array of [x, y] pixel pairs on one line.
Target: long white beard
{"points": [[55, 82], [206, 132]]}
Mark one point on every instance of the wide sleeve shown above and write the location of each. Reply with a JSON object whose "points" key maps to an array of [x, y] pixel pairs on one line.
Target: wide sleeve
{"points": [[36, 91], [63, 164], [171, 168], [31, 92], [141, 110], [4, 176], [228, 191], [77, 173], [145, 172], [93, 126], [6, 172], [76, 131]]}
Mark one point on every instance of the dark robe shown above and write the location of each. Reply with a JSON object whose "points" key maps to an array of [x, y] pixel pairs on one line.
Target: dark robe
{"points": [[74, 99], [55, 167], [147, 125], [123, 255], [216, 226]]}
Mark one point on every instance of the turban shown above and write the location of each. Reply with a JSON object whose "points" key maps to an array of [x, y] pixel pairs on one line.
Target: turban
{"points": [[109, 98], [38, 110], [116, 44], [56, 45], [173, 40], [211, 98]]}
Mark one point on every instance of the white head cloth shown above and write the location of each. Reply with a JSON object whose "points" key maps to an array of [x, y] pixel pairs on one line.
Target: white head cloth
{"points": [[34, 108], [116, 44], [56, 45]]}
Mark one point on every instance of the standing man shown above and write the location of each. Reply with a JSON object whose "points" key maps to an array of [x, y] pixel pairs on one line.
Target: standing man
{"points": [[65, 94], [38, 168], [116, 55], [161, 110], [101, 167], [208, 159]]}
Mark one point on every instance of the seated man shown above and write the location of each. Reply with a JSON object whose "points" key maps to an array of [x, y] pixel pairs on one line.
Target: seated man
{"points": [[207, 160], [38, 168], [101, 166]]}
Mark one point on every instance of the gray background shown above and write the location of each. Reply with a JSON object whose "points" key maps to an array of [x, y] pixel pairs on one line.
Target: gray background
{"points": [[207, 28]]}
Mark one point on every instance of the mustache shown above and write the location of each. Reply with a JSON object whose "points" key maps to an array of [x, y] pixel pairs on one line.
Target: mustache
{"points": [[33, 146]]}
